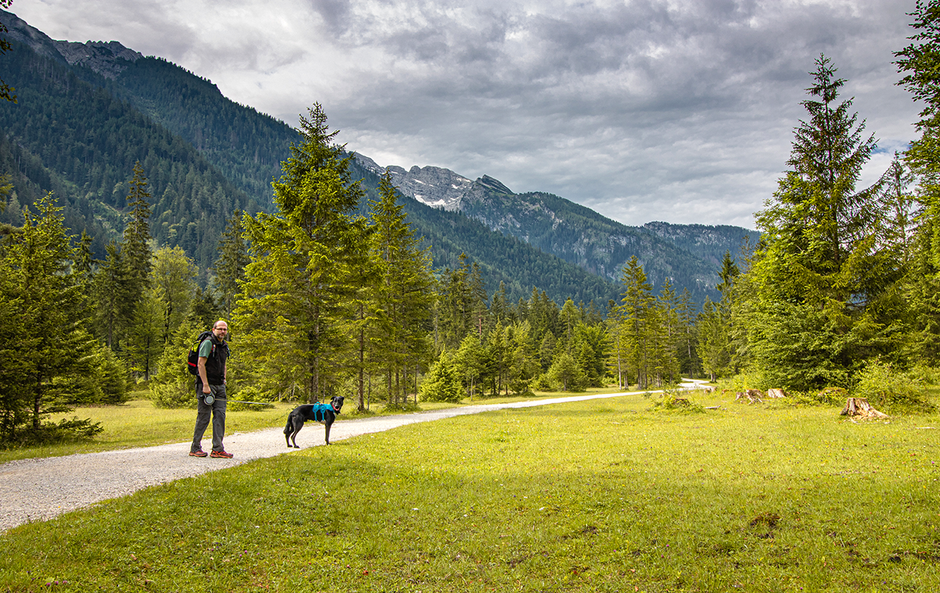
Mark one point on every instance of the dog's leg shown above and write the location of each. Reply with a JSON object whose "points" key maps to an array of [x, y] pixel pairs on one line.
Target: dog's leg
{"points": [[328, 425], [288, 430], [298, 424]]}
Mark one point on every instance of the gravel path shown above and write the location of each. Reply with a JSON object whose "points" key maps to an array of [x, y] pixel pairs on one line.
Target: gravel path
{"points": [[41, 488]]}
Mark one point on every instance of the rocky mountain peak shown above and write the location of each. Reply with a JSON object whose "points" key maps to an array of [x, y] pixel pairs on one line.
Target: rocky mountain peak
{"points": [[433, 186], [106, 58]]}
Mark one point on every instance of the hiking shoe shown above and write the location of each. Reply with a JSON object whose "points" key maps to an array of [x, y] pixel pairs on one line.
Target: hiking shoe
{"points": [[199, 453], [221, 455]]}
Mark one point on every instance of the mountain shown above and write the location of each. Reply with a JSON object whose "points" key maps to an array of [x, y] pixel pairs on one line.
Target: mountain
{"points": [[688, 256], [73, 133], [88, 111]]}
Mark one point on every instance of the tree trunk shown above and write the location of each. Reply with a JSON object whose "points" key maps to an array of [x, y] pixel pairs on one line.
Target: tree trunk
{"points": [[859, 406]]}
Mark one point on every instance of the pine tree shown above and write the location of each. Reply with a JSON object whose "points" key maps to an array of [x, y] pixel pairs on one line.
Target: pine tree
{"points": [[115, 301], [636, 313], [48, 340], [522, 365], [920, 64], [145, 340], [569, 317], [403, 298], [297, 290], [469, 361], [456, 306], [667, 337], [820, 272], [230, 265], [592, 349], [135, 246]]}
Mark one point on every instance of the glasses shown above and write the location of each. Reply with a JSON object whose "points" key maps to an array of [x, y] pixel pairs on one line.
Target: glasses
{"points": [[221, 329]]}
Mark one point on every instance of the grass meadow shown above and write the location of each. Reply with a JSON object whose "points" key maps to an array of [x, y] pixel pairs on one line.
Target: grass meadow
{"points": [[605, 495]]}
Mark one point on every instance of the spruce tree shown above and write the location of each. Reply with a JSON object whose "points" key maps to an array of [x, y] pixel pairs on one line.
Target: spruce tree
{"points": [[293, 314], [919, 62], [403, 298], [47, 340], [135, 244], [115, 302], [230, 265], [820, 272], [636, 313]]}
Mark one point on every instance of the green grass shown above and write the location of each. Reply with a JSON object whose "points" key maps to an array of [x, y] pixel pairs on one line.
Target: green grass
{"points": [[138, 424], [594, 496]]}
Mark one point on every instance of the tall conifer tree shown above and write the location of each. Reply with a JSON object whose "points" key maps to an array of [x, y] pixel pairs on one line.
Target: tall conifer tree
{"points": [[295, 300], [231, 263], [48, 335], [820, 271], [136, 242], [403, 293]]}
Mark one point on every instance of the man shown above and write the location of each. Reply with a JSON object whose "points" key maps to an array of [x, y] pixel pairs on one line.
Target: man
{"points": [[211, 382]]}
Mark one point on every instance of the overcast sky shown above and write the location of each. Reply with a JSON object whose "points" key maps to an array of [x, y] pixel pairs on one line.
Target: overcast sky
{"points": [[675, 110]]}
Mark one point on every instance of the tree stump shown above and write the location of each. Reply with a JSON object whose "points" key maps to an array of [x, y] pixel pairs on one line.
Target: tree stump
{"points": [[859, 406], [753, 396]]}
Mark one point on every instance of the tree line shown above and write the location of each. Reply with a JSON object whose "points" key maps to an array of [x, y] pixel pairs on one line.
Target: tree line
{"points": [[326, 298]]}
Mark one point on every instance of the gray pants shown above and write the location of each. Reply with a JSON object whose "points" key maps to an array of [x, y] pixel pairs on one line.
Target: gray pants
{"points": [[216, 411]]}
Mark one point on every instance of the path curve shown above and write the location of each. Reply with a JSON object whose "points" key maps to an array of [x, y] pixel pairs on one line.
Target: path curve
{"points": [[39, 489]]}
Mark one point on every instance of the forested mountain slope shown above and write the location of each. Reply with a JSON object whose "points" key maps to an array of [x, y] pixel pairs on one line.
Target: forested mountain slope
{"points": [[88, 111], [688, 256], [70, 134]]}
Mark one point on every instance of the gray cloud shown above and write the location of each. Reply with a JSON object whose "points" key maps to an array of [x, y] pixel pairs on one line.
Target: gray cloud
{"points": [[643, 110]]}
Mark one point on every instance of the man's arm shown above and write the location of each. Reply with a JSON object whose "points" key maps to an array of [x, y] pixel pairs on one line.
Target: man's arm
{"points": [[202, 374]]}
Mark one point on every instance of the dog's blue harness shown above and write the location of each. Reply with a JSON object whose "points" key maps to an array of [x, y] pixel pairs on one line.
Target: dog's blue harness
{"points": [[320, 410]]}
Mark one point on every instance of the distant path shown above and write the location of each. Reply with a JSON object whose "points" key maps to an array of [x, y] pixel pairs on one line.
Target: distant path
{"points": [[41, 488]]}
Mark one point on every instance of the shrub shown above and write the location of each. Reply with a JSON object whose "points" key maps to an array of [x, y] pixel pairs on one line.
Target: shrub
{"points": [[249, 394], [671, 399], [442, 383], [173, 394], [57, 432], [890, 390], [542, 383]]}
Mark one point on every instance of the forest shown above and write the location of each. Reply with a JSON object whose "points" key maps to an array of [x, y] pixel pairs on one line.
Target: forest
{"points": [[327, 296]]}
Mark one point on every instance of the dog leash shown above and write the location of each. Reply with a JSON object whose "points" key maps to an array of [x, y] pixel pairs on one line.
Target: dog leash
{"points": [[209, 399]]}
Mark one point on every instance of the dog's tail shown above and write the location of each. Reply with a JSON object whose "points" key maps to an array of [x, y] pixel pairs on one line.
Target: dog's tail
{"points": [[288, 428]]}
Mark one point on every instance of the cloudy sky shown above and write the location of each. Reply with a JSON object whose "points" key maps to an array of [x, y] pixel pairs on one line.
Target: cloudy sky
{"points": [[674, 110]]}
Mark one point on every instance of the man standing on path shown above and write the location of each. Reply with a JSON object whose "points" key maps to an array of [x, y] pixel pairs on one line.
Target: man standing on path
{"points": [[210, 390]]}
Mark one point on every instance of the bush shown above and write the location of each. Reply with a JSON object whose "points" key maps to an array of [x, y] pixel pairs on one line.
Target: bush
{"points": [[671, 399], [744, 381], [174, 394], [892, 391], [248, 394], [173, 386], [51, 432], [542, 383], [442, 383]]}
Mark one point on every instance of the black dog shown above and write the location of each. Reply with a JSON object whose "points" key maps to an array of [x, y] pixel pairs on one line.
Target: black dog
{"points": [[316, 412]]}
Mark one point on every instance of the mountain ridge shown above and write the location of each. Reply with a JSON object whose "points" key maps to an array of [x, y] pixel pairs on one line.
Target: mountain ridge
{"points": [[244, 148], [576, 233]]}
